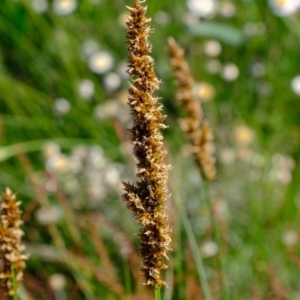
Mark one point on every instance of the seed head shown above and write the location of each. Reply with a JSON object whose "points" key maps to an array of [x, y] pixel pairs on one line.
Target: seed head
{"points": [[146, 198], [12, 259], [194, 125]]}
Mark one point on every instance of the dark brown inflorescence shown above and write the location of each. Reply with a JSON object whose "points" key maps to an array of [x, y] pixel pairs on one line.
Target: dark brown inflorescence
{"points": [[194, 125], [147, 197], [12, 259]]}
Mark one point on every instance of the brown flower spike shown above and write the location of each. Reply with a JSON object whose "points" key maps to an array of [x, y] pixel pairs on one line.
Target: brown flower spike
{"points": [[194, 125], [12, 259], [147, 197]]}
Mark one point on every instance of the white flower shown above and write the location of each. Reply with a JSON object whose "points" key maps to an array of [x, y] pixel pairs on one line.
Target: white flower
{"points": [[202, 8], [213, 66], [89, 47], [212, 48], [64, 7], [57, 282], [295, 85], [204, 91], [230, 72], [209, 249], [49, 215], [161, 18], [86, 89], [39, 6], [227, 9], [258, 69], [284, 8], [58, 163], [243, 135], [112, 82], [62, 106], [123, 18], [106, 110], [101, 62], [290, 238]]}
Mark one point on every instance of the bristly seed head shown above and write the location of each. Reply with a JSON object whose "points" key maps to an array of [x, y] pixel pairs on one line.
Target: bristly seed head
{"points": [[12, 259], [196, 128], [147, 197]]}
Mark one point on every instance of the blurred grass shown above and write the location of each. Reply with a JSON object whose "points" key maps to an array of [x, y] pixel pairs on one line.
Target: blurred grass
{"points": [[41, 60]]}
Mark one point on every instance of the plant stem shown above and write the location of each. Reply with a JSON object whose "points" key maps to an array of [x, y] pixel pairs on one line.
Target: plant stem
{"points": [[14, 282], [127, 276], [217, 237], [157, 293]]}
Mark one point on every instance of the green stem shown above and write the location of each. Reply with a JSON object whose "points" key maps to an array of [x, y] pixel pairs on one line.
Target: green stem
{"points": [[127, 276], [217, 237], [195, 250], [157, 293], [14, 283]]}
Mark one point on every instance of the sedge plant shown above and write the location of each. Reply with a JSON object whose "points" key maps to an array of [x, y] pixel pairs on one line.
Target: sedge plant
{"points": [[147, 197]]}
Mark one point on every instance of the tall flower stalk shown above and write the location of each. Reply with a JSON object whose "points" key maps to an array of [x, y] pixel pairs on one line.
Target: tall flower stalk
{"points": [[147, 197], [194, 125], [12, 258]]}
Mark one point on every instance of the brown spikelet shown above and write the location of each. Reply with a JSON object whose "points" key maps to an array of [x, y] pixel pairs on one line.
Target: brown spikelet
{"points": [[12, 259], [147, 197], [194, 125]]}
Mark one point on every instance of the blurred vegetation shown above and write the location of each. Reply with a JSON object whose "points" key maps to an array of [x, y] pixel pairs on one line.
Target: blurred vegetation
{"points": [[66, 154]]}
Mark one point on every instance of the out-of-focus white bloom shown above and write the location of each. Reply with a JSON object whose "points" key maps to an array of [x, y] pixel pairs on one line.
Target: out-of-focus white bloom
{"points": [[101, 62], [112, 82], [284, 8], [123, 18], [89, 47], [123, 97], [49, 215], [161, 18], [209, 249], [51, 185], [243, 135], [50, 149], [190, 19], [57, 282], [212, 48], [96, 158], [295, 85], [80, 151], [261, 28], [290, 238], [86, 89], [122, 70], [213, 66], [230, 72], [75, 164], [251, 29], [202, 8], [58, 163], [245, 154], [107, 110], [227, 9], [282, 167], [40, 6], [258, 69], [62, 106], [204, 91], [112, 176], [264, 89], [283, 176], [283, 161], [64, 7], [227, 156]]}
